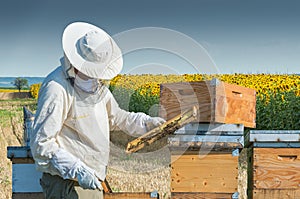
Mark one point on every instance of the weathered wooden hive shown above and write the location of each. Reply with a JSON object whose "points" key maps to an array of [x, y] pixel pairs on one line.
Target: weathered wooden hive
{"points": [[204, 160], [274, 170], [204, 154]]}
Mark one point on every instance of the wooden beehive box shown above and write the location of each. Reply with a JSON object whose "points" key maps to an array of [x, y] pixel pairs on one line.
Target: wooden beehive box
{"points": [[204, 161], [274, 170], [219, 102]]}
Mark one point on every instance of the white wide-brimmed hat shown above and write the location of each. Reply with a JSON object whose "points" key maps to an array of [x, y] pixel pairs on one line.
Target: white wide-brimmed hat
{"points": [[92, 51]]}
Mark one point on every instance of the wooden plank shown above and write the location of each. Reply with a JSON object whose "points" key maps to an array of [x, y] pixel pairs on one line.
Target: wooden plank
{"points": [[241, 111], [192, 173], [271, 178], [277, 157], [276, 194], [128, 196], [178, 195], [28, 196], [241, 103], [276, 168], [235, 104]]}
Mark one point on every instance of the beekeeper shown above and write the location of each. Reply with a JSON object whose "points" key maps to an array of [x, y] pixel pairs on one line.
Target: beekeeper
{"points": [[76, 112]]}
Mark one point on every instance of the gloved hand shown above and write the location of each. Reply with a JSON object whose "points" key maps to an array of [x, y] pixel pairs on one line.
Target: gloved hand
{"points": [[87, 178], [153, 122], [70, 167]]}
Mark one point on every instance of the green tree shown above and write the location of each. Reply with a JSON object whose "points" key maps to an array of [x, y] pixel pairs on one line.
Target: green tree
{"points": [[20, 83]]}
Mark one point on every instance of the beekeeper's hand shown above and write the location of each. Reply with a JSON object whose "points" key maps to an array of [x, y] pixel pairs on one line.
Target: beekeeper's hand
{"points": [[87, 178], [71, 167], [153, 122]]}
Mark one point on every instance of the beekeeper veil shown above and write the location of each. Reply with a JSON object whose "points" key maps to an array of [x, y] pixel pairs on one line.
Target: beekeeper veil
{"points": [[92, 51], [90, 55]]}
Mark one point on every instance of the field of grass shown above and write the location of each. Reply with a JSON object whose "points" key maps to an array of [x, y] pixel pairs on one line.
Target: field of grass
{"points": [[11, 134]]}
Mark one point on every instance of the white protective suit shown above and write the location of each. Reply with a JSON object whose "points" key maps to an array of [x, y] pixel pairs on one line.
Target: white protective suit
{"points": [[72, 126]]}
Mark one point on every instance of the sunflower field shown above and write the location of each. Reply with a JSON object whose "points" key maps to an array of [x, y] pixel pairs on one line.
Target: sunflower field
{"points": [[278, 95]]}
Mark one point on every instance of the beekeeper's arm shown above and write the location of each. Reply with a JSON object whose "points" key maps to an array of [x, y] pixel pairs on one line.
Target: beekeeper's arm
{"points": [[52, 111], [133, 123]]}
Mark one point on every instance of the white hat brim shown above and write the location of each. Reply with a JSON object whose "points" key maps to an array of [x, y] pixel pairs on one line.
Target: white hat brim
{"points": [[107, 70]]}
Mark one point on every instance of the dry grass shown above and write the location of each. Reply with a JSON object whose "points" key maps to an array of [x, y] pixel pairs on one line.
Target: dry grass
{"points": [[14, 95], [145, 171], [11, 129]]}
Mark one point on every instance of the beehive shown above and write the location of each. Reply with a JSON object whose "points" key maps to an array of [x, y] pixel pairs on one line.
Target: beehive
{"points": [[218, 102], [204, 160], [274, 159]]}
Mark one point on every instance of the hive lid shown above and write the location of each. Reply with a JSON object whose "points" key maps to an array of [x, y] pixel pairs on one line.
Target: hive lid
{"points": [[211, 129], [274, 136]]}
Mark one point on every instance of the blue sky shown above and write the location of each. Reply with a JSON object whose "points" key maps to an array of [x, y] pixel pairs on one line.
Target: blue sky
{"points": [[237, 36]]}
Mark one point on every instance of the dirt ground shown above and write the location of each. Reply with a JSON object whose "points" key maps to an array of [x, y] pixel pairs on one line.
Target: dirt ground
{"points": [[14, 95], [146, 171], [11, 134]]}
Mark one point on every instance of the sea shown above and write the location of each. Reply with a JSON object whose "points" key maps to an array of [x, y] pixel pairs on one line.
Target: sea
{"points": [[6, 82]]}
